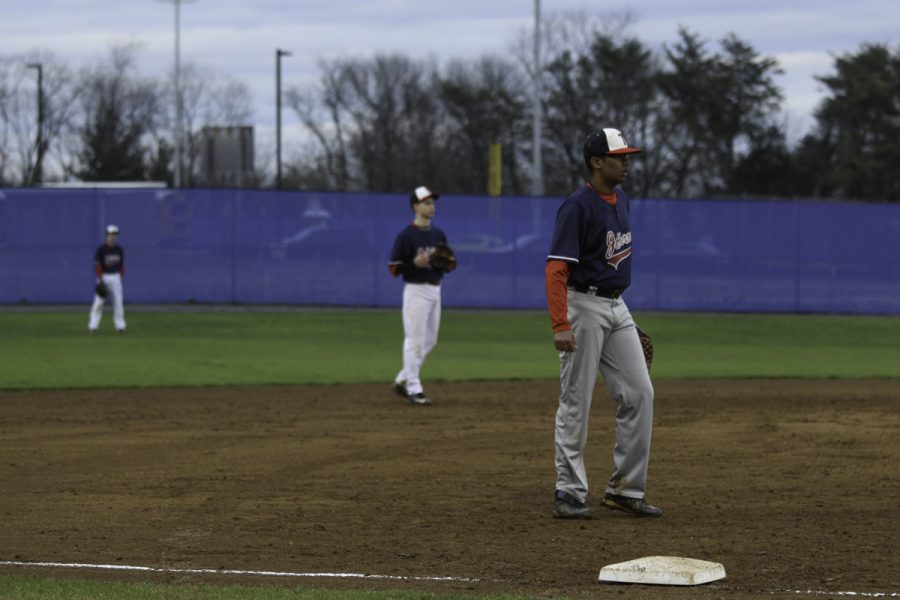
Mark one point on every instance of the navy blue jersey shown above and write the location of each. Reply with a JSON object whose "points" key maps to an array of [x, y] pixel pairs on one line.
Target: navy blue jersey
{"points": [[408, 244], [110, 258], [594, 237]]}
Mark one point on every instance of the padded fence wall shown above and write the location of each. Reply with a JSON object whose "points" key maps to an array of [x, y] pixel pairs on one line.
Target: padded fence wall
{"points": [[238, 246]]}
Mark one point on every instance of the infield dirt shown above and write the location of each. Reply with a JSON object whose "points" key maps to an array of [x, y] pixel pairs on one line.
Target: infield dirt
{"points": [[793, 485]]}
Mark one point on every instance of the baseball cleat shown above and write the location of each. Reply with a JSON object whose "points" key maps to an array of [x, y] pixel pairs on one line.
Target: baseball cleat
{"points": [[399, 389], [637, 507], [566, 506], [419, 399]]}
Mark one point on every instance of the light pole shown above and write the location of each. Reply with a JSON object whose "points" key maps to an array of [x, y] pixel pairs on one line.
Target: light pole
{"points": [[537, 182], [37, 173], [178, 118], [278, 54]]}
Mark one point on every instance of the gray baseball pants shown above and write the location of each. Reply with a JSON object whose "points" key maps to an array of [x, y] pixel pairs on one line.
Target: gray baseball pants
{"points": [[607, 342]]}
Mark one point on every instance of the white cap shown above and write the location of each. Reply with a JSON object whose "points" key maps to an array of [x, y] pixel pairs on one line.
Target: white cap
{"points": [[606, 141], [420, 193], [112, 229]]}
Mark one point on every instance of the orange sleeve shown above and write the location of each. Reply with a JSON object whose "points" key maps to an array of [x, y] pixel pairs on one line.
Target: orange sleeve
{"points": [[98, 269], [557, 279]]}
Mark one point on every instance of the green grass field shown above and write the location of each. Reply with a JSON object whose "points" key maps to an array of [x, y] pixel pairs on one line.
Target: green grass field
{"points": [[53, 349]]}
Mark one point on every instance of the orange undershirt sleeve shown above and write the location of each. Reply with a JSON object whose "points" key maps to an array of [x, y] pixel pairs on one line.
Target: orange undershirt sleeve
{"points": [[557, 278]]}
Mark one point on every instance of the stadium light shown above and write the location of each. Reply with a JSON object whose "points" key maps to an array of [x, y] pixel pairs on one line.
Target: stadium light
{"points": [[37, 173], [537, 182], [278, 54], [178, 108]]}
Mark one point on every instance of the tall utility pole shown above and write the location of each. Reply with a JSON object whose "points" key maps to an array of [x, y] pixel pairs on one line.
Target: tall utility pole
{"points": [[278, 54], [537, 181], [37, 173], [179, 134]]}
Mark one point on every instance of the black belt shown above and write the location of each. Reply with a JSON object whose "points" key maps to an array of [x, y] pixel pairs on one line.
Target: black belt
{"points": [[595, 291]]}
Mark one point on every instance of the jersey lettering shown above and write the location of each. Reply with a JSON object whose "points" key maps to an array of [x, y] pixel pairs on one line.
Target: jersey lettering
{"points": [[614, 244], [110, 259]]}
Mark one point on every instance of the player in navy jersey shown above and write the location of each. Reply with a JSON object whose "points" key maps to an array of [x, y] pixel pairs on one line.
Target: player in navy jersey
{"points": [[588, 268], [410, 258], [109, 266]]}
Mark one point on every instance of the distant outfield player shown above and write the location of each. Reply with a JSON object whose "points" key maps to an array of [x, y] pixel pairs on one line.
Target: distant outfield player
{"points": [[109, 266]]}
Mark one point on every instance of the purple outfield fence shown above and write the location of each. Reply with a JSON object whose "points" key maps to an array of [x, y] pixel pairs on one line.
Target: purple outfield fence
{"points": [[266, 247]]}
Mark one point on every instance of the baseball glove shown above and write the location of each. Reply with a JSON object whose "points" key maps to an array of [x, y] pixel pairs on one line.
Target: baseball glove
{"points": [[646, 346], [443, 259], [102, 290]]}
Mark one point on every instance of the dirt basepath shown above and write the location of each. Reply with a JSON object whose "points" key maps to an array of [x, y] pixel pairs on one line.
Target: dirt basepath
{"points": [[792, 485]]}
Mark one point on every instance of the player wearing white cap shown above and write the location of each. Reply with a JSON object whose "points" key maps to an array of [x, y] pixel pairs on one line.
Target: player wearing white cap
{"points": [[411, 257], [109, 266]]}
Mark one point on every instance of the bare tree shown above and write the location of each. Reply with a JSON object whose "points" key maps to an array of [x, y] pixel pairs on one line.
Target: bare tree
{"points": [[485, 102], [321, 111], [564, 36], [567, 31], [610, 83], [119, 114], [395, 115], [5, 94], [20, 140], [205, 100], [378, 123]]}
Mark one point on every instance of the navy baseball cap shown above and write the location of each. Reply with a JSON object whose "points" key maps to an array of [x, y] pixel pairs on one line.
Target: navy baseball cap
{"points": [[421, 193], [606, 141]]}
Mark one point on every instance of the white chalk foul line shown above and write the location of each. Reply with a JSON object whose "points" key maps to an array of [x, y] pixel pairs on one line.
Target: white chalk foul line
{"points": [[849, 594], [62, 565]]}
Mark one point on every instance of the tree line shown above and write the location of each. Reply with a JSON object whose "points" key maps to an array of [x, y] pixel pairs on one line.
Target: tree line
{"points": [[106, 122], [709, 113]]}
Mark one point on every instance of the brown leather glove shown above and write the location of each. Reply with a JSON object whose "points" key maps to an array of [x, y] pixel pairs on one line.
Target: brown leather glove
{"points": [[443, 259], [646, 346]]}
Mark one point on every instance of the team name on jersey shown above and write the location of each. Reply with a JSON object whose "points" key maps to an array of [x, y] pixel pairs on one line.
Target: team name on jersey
{"points": [[111, 259], [614, 243]]}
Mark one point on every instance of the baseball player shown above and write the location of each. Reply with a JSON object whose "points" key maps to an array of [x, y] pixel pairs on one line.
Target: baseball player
{"points": [[587, 270], [411, 258], [109, 265]]}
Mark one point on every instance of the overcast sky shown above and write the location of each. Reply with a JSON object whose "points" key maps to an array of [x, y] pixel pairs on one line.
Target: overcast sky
{"points": [[238, 38]]}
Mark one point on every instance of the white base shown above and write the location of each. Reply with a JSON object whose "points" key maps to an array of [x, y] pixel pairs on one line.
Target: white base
{"points": [[664, 570]]}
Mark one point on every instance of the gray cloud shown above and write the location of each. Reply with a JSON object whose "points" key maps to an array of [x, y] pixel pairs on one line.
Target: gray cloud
{"points": [[237, 38]]}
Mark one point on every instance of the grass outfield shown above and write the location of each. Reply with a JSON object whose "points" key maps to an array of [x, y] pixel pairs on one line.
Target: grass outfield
{"points": [[46, 350]]}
